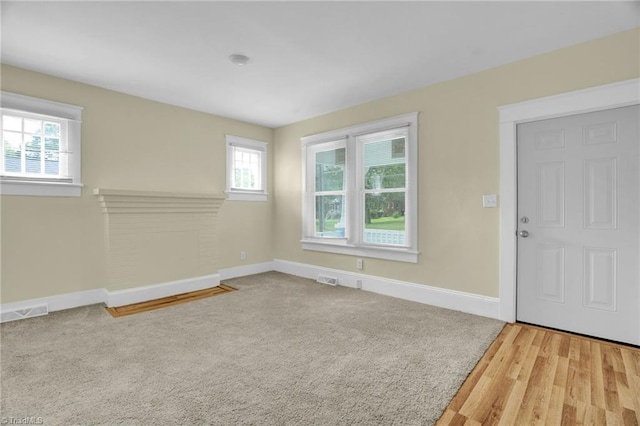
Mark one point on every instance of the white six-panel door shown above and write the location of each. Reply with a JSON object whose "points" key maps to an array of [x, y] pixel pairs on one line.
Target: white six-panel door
{"points": [[578, 224]]}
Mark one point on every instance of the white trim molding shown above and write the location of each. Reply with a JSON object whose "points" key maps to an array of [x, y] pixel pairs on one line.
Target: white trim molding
{"points": [[615, 95], [450, 299]]}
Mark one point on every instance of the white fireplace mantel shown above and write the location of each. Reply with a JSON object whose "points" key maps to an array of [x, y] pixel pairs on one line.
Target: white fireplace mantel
{"points": [[157, 237]]}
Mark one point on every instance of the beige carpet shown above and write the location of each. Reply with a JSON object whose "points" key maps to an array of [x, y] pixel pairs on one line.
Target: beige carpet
{"points": [[280, 351]]}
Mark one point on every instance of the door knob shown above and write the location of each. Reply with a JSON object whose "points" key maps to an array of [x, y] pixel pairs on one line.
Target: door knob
{"points": [[523, 233]]}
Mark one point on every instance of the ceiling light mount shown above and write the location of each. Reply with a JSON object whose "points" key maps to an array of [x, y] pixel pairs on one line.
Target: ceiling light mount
{"points": [[239, 59]]}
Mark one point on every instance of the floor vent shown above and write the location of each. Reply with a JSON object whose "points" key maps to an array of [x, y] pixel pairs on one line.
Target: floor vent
{"points": [[324, 279], [34, 311]]}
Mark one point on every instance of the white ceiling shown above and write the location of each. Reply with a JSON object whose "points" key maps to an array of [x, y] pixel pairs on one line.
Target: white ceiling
{"points": [[307, 58]]}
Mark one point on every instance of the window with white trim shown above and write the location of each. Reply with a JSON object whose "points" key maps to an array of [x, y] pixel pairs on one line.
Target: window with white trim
{"points": [[246, 169], [40, 147], [361, 190]]}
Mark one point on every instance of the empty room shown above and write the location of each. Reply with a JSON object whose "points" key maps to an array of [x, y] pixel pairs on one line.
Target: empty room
{"points": [[320, 213]]}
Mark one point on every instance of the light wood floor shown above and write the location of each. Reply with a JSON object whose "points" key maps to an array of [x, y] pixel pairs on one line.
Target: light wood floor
{"points": [[535, 376], [151, 305]]}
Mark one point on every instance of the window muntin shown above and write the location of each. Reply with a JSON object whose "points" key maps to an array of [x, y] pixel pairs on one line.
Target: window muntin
{"points": [[373, 210], [246, 169]]}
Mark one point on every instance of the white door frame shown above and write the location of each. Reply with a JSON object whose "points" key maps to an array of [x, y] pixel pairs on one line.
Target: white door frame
{"points": [[624, 93]]}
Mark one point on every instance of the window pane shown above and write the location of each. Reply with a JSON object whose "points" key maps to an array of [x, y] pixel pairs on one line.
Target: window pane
{"points": [[330, 170], [385, 164], [10, 122], [384, 221], [12, 152], [52, 144], [32, 143], [52, 129], [329, 216], [32, 153], [51, 163], [32, 161], [32, 126], [247, 169]]}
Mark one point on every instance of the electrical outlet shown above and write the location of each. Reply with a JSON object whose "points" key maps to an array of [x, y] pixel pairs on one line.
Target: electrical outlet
{"points": [[243, 255], [359, 263]]}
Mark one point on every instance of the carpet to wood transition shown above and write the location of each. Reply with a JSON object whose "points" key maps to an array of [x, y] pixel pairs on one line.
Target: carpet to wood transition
{"points": [[177, 299]]}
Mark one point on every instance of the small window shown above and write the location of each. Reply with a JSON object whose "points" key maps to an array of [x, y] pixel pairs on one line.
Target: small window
{"points": [[40, 147], [246, 169]]}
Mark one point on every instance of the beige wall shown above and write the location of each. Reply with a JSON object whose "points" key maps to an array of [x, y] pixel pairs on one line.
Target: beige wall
{"points": [[458, 161], [54, 245]]}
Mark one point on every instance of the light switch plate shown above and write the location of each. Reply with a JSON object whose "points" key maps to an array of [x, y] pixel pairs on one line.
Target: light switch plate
{"points": [[489, 201]]}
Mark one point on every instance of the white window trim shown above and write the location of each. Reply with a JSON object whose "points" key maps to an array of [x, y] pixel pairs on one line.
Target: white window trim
{"points": [[350, 244], [40, 187], [241, 195]]}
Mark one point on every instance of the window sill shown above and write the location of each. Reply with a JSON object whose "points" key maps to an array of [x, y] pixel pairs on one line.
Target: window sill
{"points": [[40, 188], [390, 253], [246, 196]]}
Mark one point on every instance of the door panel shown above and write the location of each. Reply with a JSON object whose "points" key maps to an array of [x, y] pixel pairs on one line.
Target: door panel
{"points": [[578, 192]]}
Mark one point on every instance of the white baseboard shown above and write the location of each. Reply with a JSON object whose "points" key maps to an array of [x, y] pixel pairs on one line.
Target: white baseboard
{"points": [[450, 299], [243, 271], [114, 298], [456, 300], [59, 302], [158, 291]]}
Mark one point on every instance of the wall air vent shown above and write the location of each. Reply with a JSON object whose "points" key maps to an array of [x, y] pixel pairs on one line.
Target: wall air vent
{"points": [[324, 279], [17, 314]]}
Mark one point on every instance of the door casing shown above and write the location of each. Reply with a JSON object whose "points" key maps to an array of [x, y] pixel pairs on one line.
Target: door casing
{"points": [[620, 94]]}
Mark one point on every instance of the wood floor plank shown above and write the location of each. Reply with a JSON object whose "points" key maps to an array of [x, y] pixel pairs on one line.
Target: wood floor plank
{"points": [[597, 380], [467, 387], [611, 397], [490, 405], [568, 415], [544, 381], [554, 413], [629, 417], [532, 375], [523, 348], [574, 348], [475, 396], [573, 385], [583, 383], [512, 404], [562, 371], [164, 302], [530, 359]]}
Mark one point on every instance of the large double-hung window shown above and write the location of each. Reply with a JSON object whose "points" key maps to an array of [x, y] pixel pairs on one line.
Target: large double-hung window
{"points": [[361, 190]]}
